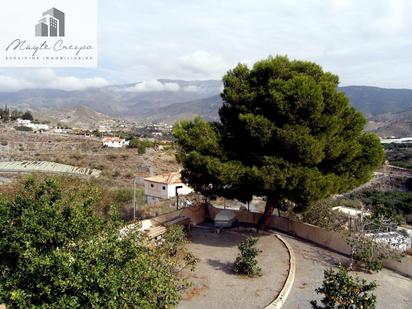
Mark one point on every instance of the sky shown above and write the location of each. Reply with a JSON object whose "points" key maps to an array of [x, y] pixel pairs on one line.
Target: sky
{"points": [[363, 42]]}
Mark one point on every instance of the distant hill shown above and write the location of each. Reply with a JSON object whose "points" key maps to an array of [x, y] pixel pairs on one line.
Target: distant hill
{"points": [[74, 117], [169, 100], [125, 101], [392, 124], [208, 108], [373, 101]]}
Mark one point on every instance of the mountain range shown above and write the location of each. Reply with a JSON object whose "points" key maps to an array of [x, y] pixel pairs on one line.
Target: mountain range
{"points": [[389, 111]]}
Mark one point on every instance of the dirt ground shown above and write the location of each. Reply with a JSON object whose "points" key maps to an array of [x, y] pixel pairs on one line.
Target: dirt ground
{"points": [[214, 283], [119, 166]]}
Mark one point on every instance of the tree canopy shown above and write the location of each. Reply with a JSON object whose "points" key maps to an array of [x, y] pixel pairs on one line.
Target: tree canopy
{"points": [[285, 132], [55, 252], [27, 116]]}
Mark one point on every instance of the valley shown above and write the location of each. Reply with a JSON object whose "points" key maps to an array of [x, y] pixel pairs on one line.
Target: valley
{"points": [[388, 111]]}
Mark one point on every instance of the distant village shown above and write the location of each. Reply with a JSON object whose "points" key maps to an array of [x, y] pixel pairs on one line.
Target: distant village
{"points": [[114, 133]]}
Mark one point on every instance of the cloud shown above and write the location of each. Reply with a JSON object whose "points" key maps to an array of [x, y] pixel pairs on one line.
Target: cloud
{"points": [[47, 79], [203, 63], [8, 83], [153, 85], [393, 20], [74, 83], [362, 41], [191, 88]]}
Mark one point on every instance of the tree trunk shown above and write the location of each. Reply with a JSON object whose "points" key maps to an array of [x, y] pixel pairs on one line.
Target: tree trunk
{"points": [[264, 220]]}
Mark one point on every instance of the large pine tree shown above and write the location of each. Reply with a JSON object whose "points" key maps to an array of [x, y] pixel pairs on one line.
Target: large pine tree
{"points": [[285, 132]]}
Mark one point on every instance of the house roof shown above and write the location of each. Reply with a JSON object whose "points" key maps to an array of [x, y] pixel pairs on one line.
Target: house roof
{"points": [[350, 211], [169, 178], [113, 139]]}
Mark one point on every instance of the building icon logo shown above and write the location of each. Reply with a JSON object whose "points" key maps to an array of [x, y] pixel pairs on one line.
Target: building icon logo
{"points": [[51, 24]]}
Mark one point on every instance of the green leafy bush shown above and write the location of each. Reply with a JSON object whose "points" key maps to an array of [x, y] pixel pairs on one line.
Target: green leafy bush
{"points": [[55, 252], [341, 290], [246, 263]]}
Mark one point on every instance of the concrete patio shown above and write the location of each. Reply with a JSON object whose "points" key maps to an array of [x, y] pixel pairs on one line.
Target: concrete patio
{"points": [[214, 283]]}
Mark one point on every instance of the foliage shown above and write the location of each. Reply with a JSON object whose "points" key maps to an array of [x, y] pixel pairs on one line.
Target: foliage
{"points": [[23, 129], [141, 145], [355, 203], [27, 116], [392, 205], [341, 290], [322, 215], [5, 114], [15, 114], [246, 262], [369, 253], [173, 245], [399, 154], [55, 252], [285, 132]]}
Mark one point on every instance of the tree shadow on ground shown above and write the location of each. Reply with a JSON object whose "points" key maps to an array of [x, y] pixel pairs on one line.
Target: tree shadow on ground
{"points": [[226, 267], [323, 257], [210, 238]]}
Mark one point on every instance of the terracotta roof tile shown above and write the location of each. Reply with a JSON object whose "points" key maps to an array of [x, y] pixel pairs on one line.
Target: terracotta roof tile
{"points": [[169, 178]]}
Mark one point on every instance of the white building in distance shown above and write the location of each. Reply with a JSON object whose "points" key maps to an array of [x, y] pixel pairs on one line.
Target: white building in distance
{"points": [[23, 122], [34, 126], [162, 187], [114, 142]]}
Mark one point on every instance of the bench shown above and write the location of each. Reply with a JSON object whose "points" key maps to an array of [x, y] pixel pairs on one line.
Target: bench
{"points": [[155, 232], [179, 221]]}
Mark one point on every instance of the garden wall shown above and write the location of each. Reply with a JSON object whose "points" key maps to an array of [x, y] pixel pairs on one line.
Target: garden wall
{"points": [[328, 239], [197, 215], [334, 241]]}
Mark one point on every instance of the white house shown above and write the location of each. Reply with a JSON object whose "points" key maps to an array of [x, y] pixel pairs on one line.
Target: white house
{"points": [[163, 187], [23, 122], [394, 140], [38, 126], [33, 126], [114, 142]]}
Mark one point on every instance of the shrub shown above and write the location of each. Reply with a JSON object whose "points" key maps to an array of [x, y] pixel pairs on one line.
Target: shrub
{"points": [[246, 262], [341, 290], [141, 145], [370, 254], [111, 157], [23, 129], [322, 215]]}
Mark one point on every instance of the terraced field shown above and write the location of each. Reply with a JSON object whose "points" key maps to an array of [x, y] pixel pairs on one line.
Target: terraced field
{"points": [[45, 167]]}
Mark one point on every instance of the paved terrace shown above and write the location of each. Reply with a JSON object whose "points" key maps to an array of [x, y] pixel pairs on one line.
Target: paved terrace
{"points": [[393, 291], [215, 286]]}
